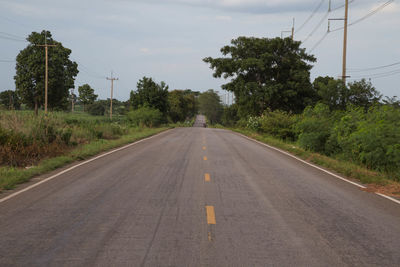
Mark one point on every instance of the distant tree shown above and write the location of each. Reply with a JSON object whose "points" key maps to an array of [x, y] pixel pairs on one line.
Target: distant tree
{"points": [[331, 92], [363, 94], [182, 105], [86, 95], [392, 101], [10, 100], [265, 73], [30, 72], [150, 94], [210, 105], [335, 94], [96, 109]]}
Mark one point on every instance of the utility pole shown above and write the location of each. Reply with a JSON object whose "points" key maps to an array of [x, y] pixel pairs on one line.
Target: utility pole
{"points": [[346, 13], [72, 100], [46, 48], [112, 88], [345, 19], [293, 30]]}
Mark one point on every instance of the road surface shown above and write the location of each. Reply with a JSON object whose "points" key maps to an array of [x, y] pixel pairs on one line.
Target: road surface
{"points": [[198, 197]]}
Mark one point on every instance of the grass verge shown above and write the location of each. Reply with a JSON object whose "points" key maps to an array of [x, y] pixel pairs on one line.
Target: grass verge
{"points": [[10, 177], [375, 181]]}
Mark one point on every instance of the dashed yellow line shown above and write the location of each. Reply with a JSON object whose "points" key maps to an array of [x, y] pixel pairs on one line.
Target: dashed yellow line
{"points": [[207, 177], [205, 158], [210, 215]]}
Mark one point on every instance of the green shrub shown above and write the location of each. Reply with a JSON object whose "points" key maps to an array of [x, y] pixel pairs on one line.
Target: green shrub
{"points": [[145, 116], [314, 128], [254, 123], [279, 124], [96, 109]]}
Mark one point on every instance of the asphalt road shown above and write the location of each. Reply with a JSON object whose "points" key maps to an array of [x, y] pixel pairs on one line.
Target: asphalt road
{"points": [[198, 197]]}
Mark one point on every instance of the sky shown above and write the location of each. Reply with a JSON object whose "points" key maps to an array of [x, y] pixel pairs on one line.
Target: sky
{"points": [[167, 39]]}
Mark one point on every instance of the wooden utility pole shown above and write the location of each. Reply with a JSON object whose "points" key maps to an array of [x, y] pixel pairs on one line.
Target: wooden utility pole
{"points": [[112, 88], [72, 100], [46, 46], [346, 13], [293, 30]]}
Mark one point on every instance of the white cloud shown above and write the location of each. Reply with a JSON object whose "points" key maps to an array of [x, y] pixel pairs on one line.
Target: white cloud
{"points": [[223, 18], [145, 50]]}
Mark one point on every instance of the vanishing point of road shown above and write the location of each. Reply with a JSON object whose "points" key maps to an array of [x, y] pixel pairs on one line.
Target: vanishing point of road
{"points": [[198, 197]]}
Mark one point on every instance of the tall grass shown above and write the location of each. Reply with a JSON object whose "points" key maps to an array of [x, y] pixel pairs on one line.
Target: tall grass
{"points": [[31, 145]]}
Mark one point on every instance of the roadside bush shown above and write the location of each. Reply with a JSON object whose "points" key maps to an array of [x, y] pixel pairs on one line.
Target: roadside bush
{"points": [[254, 123], [145, 116], [230, 115], [96, 109], [280, 124], [314, 128], [371, 139]]}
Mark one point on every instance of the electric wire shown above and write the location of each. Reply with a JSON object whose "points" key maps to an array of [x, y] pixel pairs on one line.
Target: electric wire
{"points": [[6, 60], [311, 16], [355, 22], [378, 75], [319, 41], [372, 68], [373, 12], [316, 27]]}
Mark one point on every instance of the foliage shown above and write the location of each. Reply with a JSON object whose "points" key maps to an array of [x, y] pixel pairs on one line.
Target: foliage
{"points": [[265, 73], [96, 109], [26, 139], [314, 128], [182, 105], [230, 115], [210, 105], [86, 95], [150, 94], [254, 123], [280, 124], [145, 116], [10, 100], [30, 69], [335, 94]]}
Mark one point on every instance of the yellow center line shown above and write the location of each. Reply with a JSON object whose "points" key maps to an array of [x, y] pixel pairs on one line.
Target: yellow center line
{"points": [[204, 148], [205, 158], [207, 177], [210, 215]]}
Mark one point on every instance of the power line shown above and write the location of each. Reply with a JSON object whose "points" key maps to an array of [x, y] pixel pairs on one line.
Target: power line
{"points": [[319, 41], [317, 27], [373, 68], [378, 75], [6, 60], [351, 24], [311, 16], [373, 12]]}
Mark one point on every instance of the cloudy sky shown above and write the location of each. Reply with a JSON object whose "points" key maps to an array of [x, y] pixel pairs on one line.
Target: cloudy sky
{"points": [[167, 39]]}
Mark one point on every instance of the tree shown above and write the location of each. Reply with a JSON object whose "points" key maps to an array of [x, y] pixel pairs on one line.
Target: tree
{"points": [[30, 72], [265, 73], [150, 94], [210, 105], [86, 95], [10, 100], [182, 104], [335, 94], [363, 94], [331, 92]]}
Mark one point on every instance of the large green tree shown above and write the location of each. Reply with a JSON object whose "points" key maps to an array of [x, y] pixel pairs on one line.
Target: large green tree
{"points": [[30, 72], [10, 100], [182, 104], [210, 105], [150, 94], [335, 94], [86, 95], [265, 73]]}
